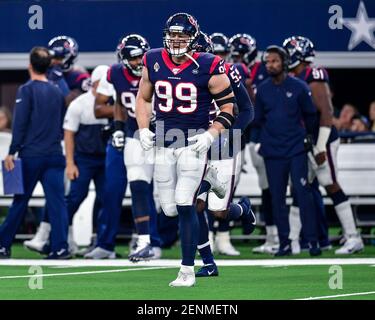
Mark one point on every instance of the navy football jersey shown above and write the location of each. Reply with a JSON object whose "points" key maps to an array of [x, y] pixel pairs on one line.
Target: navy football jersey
{"points": [[318, 74], [77, 79], [235, 79], [241, 121], [243, 71], [258, 74], [182, 98], [126, 86]]}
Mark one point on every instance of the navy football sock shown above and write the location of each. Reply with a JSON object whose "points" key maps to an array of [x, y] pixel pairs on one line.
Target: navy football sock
{"points": [[141, 205], [235, 211], [203, 243], [223, 225], [189, 232], [143, 227]]}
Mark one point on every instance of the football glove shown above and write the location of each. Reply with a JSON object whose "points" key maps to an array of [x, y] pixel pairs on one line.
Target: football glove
{"points": [[203, 142], [146, 137], [118, 139]]}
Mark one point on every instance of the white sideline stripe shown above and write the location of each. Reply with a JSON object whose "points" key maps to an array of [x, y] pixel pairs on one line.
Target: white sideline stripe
{"points": [[176, 262], [80, 273], [339, 295]]}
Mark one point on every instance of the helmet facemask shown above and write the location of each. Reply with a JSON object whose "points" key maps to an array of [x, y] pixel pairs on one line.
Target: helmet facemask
{"points": [[177, 47]]}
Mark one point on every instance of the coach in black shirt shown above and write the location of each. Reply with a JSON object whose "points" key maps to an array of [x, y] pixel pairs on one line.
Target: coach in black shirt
{"points": [[37, 134]]}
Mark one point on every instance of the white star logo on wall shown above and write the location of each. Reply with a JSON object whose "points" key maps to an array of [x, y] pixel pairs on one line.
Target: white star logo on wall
{"points": [[362, 28]]}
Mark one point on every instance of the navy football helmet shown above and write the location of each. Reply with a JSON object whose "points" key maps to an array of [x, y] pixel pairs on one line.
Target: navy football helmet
{"points": [[243, 45], [180, 23], [130, 47], [65, 48], [204, 43], [220, 43], [300, 49]]}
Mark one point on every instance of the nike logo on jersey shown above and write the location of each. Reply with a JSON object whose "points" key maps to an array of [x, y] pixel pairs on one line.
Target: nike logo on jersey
{"points": [[18, 100], [289, 94], [58, 73]]}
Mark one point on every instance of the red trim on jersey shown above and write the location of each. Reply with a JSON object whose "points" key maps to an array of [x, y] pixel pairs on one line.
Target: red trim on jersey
{"points": [[308, 71], [254, 70], [214, 64], [144, 60], [246, 70], [227, 67], [109, 75], [82, 76], [172, 66], [130, 77]]}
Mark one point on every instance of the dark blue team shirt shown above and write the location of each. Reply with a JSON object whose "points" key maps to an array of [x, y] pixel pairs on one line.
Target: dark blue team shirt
{"points": [[38, 118], [126, 86], [242, 119], [282, 111], [77, 80], [182, 98], [258, 74], [315, 74], [243, 70]]}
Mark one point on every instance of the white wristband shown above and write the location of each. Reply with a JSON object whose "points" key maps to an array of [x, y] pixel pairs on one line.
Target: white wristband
{"points": [[324, 133]]}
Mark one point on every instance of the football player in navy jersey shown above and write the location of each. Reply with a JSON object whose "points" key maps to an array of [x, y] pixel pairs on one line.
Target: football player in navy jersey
{"points": [[218, 44], [184, 83], [125, 77], [323, 157], [65, 52], [218, 186]]}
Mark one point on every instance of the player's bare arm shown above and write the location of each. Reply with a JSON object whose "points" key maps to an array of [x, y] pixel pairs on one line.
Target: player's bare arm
{"points": [[143, 110], [322, 100], [102, 109], [71, 168], [143, 101]]}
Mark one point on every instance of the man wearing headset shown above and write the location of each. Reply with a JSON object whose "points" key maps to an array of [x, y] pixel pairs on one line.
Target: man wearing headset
{"points": [[285, 114]]}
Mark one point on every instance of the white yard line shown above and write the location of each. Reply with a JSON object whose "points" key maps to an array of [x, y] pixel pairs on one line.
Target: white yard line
{"points": [[176, 262], [80, 273], [339, 295]]}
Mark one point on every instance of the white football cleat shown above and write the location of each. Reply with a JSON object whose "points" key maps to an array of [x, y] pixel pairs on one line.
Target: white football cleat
{"points": [[73, 247], [41, 238], [270, 247], [223, 244], [217, 186], [296, 247], [157, 253], [352, 245], [184, 279], [100, 253]]}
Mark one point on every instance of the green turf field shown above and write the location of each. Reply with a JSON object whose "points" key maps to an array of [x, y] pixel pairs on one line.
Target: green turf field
{"points": [[291, 282], [235, 282]]}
